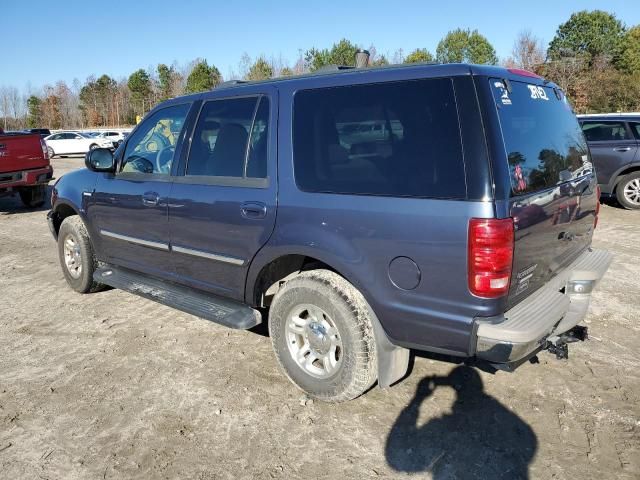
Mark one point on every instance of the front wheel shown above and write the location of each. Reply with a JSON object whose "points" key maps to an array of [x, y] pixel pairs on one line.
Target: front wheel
{"points": [[93, 146], [33, 197], [322, 334], [628, 191], [76, 255], [51, 153]]}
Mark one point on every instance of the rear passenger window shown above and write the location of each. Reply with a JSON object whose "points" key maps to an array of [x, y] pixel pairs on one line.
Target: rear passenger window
{"points": [[605, 131], [230, 139], [397, 139], [636, 129]]}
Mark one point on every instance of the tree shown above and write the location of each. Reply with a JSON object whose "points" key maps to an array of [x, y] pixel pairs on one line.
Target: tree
{"points": [[419, 55], [139, 84], [286, 72], [202, 77], [341, 53], [165, 75], [610, 90], [34, 113], [587, 33], [465, 46], [629, 58], [527, 53], [260, 70]]}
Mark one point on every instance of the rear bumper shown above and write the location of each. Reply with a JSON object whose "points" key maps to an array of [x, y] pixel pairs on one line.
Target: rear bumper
{"points": [[551, 311], [26, 178]]}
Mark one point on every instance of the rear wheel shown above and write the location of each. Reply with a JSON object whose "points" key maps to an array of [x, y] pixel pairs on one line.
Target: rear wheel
{"points": [[323, 336], [93, 146], [628, 191], [33, 197], [51, 153], [76, 255]]}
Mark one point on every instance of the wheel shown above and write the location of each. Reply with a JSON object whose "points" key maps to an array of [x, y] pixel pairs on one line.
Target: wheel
{"points": [[628, 191], [93, 146], [51, 153], [33, 197], [322, 335], [76, 255]]}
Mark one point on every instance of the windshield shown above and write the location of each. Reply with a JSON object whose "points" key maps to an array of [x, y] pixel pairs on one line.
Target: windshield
{"points": [[542, 137], [85, 135]]}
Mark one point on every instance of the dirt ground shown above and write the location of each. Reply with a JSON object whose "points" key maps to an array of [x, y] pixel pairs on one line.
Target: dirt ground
{"points": [[110, 385]]}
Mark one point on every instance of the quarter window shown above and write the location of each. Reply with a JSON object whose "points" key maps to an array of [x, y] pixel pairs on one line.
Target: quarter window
{"points": [[397, 139], [605, 131], [230, 139], [151, 149]]}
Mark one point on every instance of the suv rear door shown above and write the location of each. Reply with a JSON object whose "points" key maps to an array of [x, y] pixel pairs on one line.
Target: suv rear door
{"points": [[551, 188], [612, 146], [223, 206]]}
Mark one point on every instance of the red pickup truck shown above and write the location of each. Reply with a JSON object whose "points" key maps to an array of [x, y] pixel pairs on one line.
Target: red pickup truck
{"points": [[24, 167]]}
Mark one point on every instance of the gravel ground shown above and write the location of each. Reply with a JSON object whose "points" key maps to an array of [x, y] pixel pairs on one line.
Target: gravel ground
{"points": [[110, 385]]}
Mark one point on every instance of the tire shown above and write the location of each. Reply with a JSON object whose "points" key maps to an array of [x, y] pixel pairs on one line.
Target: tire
{"points": [[74, 231], [338, 320], [628, 191], [51, 152], [93, 146], [33, 197]]}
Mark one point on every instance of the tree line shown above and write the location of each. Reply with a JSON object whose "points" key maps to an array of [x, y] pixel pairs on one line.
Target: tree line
{"points": [[593, 56]]}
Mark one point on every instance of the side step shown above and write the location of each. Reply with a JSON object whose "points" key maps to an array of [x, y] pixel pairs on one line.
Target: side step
{"points": [[208, 306]]}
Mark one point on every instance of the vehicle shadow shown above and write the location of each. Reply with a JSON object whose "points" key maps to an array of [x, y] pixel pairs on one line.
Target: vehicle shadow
{"points": [[478, 438]]}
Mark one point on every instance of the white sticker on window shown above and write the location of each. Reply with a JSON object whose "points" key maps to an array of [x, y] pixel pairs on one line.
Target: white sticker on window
{"points": [[537, 93]]}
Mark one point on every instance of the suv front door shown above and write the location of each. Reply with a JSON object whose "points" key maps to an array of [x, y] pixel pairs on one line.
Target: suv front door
{"points": [[222, 209], [129, 209], [612, 146]]}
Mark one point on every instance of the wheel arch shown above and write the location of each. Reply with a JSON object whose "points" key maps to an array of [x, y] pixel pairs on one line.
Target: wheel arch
{"points": [[269, 270], [62, 210], [619, 175]]}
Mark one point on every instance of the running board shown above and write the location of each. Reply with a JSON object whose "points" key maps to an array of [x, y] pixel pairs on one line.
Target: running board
{"points": [[208, 306]]}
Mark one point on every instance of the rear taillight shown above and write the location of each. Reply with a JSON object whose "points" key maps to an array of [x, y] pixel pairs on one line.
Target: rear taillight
{"points": [[45, 152], [598, 192], [490, 256]]}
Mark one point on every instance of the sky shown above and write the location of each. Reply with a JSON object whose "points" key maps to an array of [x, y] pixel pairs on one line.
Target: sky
{"points": [[46, 41]]}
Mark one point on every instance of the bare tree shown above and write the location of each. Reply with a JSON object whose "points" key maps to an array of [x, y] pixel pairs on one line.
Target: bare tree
{"points": [[527, 53]]}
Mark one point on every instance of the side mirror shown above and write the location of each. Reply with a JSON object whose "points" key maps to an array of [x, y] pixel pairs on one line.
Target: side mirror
{"points": [[100, 160]]}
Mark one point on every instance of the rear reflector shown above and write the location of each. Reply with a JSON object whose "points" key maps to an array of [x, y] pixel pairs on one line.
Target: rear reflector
{"points": [[491, 243]]}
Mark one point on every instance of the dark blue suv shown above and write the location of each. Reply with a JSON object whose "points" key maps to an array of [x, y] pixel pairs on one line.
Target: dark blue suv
{"points": [[360, 212]]}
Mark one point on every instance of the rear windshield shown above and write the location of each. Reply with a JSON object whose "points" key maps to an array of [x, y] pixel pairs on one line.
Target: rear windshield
{"points": [[397, 139], [542, 137]]}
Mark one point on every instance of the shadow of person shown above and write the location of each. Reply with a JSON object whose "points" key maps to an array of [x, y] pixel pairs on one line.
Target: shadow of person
{"points": [[480, 438]]}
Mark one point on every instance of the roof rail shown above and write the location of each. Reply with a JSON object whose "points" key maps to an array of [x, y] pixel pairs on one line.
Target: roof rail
{"points": [[230, 83], [334, 68]]}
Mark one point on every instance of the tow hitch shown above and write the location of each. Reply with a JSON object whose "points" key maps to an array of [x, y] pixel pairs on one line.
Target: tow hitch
{"points": [[559, 345]]}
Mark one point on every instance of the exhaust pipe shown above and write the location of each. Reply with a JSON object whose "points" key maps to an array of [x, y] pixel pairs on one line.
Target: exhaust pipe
{"points": [[362, 58]]}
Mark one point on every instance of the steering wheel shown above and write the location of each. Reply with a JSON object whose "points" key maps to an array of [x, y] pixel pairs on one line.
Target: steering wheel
{"points": [[163, 159]]}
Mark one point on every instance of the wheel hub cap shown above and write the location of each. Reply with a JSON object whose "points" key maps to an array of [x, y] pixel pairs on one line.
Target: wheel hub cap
{"points": [[72, 257], [632, 191], [314, 341]]}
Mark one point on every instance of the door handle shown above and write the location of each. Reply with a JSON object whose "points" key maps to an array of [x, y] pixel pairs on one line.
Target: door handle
{"points": [[253, 210], [622, 149], [150, 199]]}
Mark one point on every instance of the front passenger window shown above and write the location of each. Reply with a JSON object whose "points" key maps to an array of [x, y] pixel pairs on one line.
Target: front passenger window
{"points": [[151, 149]]}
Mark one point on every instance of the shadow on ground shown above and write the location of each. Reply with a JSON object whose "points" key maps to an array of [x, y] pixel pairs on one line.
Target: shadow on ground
{"points": [[11, 204], [478, 438]]}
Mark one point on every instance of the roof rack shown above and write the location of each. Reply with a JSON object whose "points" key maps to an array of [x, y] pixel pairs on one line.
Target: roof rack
{"points": [[334, 68], [230, 83]]}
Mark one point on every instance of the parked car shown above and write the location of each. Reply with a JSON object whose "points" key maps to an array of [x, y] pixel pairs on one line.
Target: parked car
{"points": [[258, 198], [24, 167], [67, 143], [115, 137], [614, 141], [43, 132]]}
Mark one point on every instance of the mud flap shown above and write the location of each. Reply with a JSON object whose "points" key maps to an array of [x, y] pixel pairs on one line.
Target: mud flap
{"points": [[393, 361]]}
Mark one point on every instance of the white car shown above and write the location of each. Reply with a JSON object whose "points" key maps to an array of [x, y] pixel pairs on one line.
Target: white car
{"points": [[115, 137], [67, 143]]}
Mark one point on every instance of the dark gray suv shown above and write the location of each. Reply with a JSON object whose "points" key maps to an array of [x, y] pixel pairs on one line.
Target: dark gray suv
{"points": [[614, 141], [359, 212]]}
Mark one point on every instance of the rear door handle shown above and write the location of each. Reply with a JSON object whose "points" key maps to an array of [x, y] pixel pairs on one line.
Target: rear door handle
{"points": [[150, 199], [622, 149], [253, 210]]}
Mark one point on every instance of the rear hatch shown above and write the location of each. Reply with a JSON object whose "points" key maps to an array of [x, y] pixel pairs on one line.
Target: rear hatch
{"points": [[553, 188], [21, 152]]}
